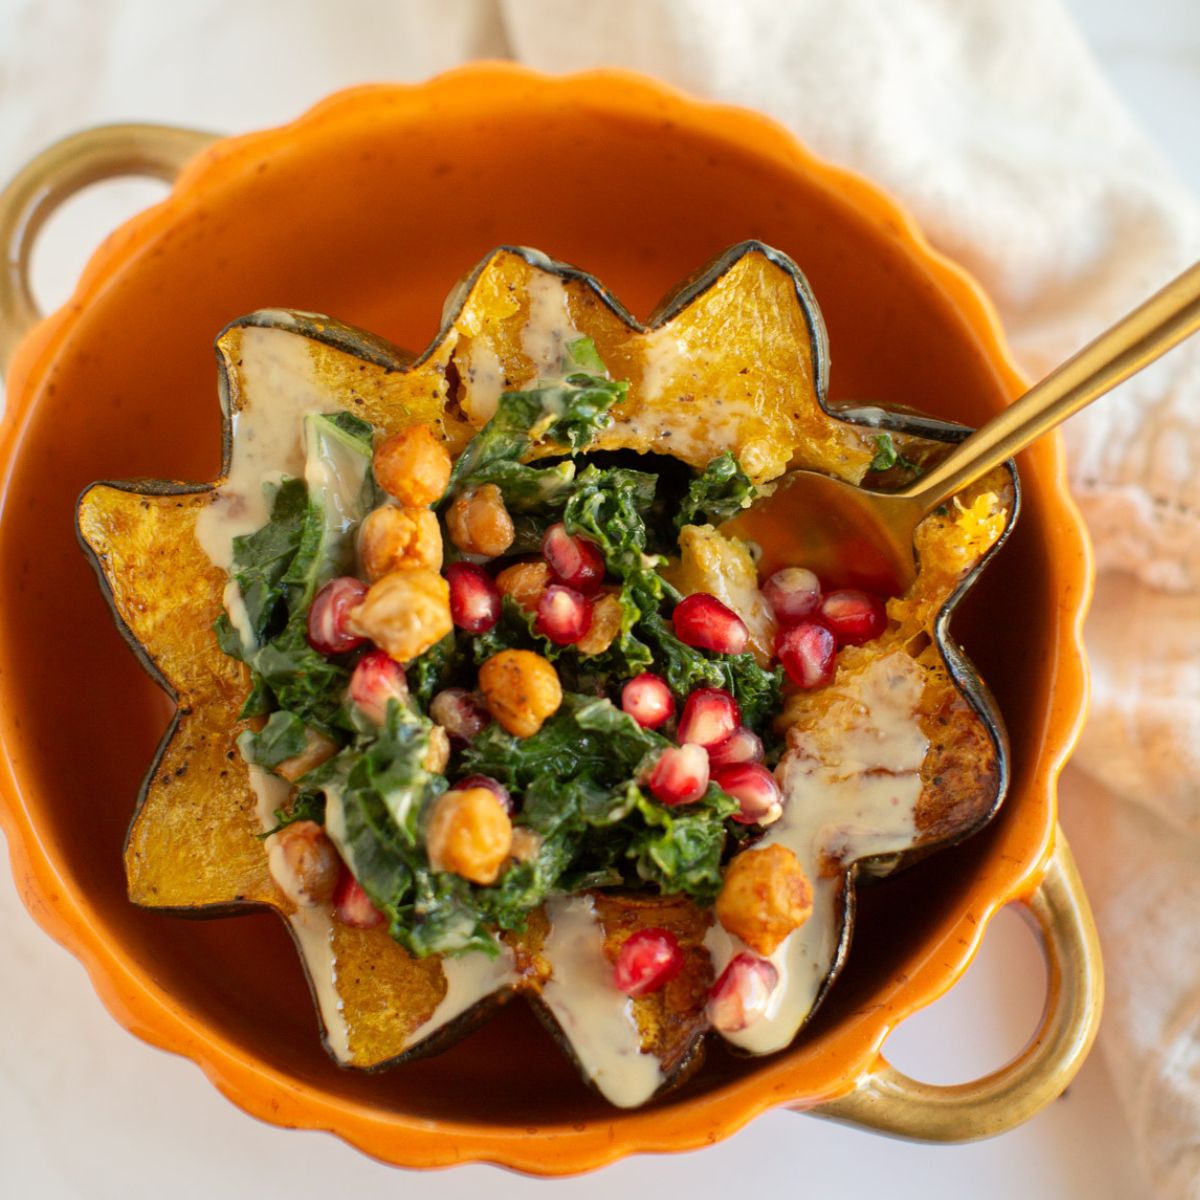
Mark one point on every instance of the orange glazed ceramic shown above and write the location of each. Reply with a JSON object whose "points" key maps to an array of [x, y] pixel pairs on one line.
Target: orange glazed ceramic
{"points": [[368, 208]]}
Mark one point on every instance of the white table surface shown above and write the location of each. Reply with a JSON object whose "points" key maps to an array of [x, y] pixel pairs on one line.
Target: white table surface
{"points": [[88, 1112]]}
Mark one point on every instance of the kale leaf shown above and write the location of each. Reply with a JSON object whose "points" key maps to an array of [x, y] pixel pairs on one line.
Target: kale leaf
{"points": [[375, 796], [577, 775], [566, 412], [260, 563], [433, 670], [887, 456], [719, 492], [302, 680], [283, 737], [607, 506], [340, 493], [680, 849]]}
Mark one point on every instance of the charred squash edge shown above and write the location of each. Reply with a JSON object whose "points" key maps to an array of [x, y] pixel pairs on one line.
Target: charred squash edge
{"points": [[381, 353]]}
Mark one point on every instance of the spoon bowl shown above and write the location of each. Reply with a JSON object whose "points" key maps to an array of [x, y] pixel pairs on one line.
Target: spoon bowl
{"points": [[848, 535], [856, 537]]}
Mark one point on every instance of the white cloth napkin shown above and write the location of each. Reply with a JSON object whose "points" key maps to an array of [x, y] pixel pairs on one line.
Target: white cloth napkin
{"points": [[993, 125]]}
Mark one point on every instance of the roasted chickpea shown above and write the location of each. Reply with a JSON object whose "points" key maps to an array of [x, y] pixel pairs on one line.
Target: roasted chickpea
{"points": [[438, 753], [308, 864], [413, 466], [468, 832], [404, 613], [606, 624], [765, 896], [479, 523], [521, 690], [317, 749], [524, 582], [399, 539]]}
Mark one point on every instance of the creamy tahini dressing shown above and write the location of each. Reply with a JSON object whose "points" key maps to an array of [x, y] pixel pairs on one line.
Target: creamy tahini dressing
{"points": [[549, 327], [596, 1018], [312, 925], [239, 615], [279, 385], [849, 792], [697, 423], [469, 979], [483, 381], [665, 357]]}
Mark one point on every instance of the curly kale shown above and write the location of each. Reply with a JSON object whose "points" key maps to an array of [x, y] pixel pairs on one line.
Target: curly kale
{"points": [[721, 491]]}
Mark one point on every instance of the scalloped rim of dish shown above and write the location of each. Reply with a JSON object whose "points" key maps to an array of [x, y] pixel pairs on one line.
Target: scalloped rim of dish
{"points": [[151, 1012]]}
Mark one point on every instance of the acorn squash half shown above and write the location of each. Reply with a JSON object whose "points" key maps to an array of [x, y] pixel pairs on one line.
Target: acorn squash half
{"points": [[734, 359]]}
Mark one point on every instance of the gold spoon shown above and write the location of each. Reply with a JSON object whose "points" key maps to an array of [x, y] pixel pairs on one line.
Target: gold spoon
{"points": [[853, 536]]}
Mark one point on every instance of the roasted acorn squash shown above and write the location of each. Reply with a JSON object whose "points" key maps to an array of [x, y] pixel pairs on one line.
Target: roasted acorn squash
{"points": [[735, 359]]}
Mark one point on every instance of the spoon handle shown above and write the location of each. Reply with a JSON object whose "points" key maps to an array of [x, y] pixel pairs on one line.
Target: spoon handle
{"points": [[1135, 341]]}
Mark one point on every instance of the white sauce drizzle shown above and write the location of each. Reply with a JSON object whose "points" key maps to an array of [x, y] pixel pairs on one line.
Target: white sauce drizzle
{"points": [[469, 979], [483, 381], [664, 358], [311, 925], [849, 791], [690, 422], [239, 615], [596, 1018], [279, 385], [549, 328]]}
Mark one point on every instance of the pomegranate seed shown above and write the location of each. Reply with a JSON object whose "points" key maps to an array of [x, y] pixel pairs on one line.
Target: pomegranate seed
{"points": [[754, 788], [854, 617], [793, 594], [741, 994], [680, 776], [327, 632], [703, 621], [493, 785], [808, 653], [710, 715], [376, 680], [648, 700], [742, 745], [647, 960], [563, 615], [474, 597], [352, 905], [460, 713], [574, 561]]}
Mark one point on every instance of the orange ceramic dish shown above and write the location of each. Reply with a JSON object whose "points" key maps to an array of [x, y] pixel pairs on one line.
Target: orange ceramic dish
{"points": [[366, 208]]}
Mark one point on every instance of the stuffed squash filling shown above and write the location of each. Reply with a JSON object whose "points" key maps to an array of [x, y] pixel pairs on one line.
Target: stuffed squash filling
{"points": [[516, 714]]}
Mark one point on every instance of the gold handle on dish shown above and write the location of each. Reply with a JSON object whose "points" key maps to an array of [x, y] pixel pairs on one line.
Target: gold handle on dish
{"points": [[61, 170], [890, 1101]]}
